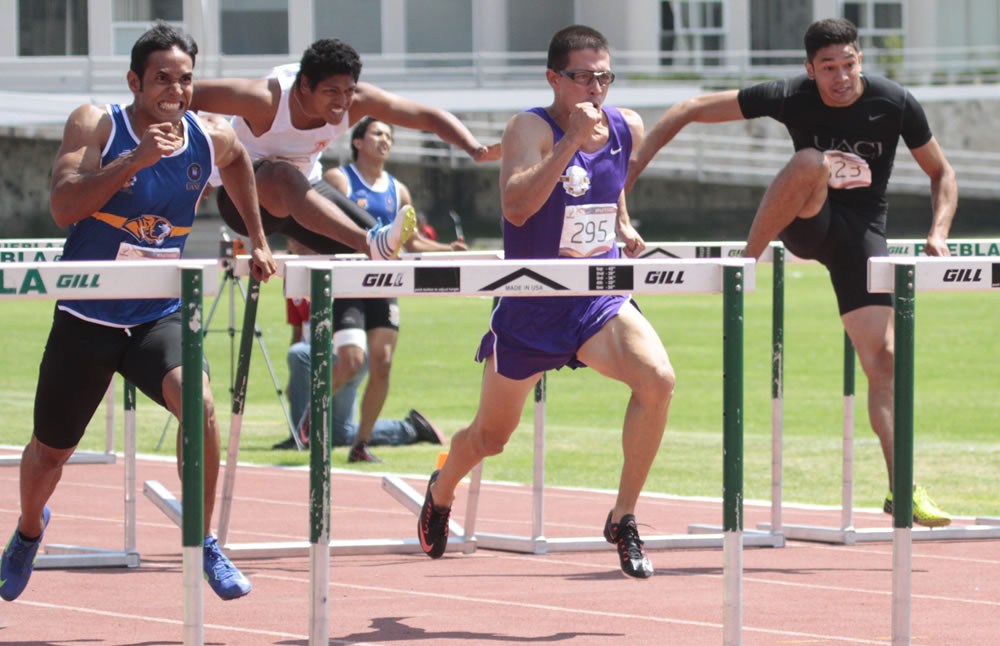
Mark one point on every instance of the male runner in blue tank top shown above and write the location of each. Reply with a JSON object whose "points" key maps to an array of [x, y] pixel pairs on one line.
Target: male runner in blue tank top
{"points": [[561, 183], [126, 180], [371, 325], [828, 203]]}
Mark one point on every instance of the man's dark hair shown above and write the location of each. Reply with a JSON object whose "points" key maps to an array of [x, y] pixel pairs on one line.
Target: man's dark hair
{"points": [[328, 57], [830, 31], [572, 38], [360, 130], [161, 36]]}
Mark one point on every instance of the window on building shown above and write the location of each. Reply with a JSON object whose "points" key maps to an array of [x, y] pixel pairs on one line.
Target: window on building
{"points": [[434, 26], [694, 31], [358, 23], [530, 24], [131, 18], [52, 27], [879, 23], [254, 26]]}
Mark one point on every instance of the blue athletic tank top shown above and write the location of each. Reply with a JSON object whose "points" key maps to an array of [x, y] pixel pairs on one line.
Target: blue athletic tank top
{"points": [[589, 178], [155, 208], [382, 205]]}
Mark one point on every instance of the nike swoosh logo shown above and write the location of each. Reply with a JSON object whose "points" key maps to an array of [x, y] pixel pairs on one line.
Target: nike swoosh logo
{"points": [[615, 151], [875, 117]]}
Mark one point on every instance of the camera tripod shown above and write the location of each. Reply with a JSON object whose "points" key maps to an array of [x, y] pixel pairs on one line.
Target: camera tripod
{"points": [[229, 248]]}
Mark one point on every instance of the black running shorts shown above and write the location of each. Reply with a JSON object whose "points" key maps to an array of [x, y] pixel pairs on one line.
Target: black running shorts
{"points": [[365, 313], [289, 227], [843, 241], [81, 357]]}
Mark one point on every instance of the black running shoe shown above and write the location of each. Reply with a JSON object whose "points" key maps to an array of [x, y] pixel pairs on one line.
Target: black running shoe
{"points": [[360, 453], [287, 443], [426, 432], [432, 526], [626, 536]]}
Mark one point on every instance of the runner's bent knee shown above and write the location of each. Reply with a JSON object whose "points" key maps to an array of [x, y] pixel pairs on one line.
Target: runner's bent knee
{"points": [[275, 180]]}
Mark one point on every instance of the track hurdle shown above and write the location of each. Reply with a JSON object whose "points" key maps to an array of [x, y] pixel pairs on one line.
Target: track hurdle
{"points": [[190, 280], [732, 277], [904, 277], [846, 533], [48, 250], [167, 503]]}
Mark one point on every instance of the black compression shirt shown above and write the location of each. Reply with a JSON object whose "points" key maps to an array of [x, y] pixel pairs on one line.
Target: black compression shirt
{"points": [[870, 128]]}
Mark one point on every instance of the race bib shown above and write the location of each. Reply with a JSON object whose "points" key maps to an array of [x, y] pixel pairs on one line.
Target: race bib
{"points": [[128, 251], [588, 230], [847, 170]]}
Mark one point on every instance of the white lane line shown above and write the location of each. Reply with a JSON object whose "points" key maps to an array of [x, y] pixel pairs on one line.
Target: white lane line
{"points": [[178, 622], [574, 611]]}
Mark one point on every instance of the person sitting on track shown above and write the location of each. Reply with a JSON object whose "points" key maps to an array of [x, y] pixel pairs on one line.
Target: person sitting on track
{"points": [[126, 180], [562, 186], [365, 330], [344, 430], [828, 203], [288, 118]]}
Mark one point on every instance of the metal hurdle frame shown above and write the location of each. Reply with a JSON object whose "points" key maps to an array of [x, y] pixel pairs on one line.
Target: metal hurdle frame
{"points": [[49, 250], [847, 534], [161, 497], [537, 543], [190, 280], [294, 548], [58, 555], [733, 277], [904, 277]]}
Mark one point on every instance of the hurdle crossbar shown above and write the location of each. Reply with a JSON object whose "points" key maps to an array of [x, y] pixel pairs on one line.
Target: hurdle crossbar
{"points": [[904, 277], [49, 250], [846, 533], [731, 277]]}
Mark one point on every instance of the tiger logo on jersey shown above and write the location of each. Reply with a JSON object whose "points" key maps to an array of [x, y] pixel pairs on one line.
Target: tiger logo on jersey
{"points": [[576, 182], [152, 229]]}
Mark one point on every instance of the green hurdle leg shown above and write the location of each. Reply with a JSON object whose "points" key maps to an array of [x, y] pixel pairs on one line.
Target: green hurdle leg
{"points": [[847, 464], [193, 455], [239, 404], [777, 383], [732, 473], [321, 363], [902, 455]]}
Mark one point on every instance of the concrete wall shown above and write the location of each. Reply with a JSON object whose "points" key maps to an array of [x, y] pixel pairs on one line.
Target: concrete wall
{"points": [[665, 209]]}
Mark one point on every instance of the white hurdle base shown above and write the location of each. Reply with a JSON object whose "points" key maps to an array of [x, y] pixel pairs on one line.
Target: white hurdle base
{"points": [[851, 535], [78, 457], [73, 556], [172, 508]]}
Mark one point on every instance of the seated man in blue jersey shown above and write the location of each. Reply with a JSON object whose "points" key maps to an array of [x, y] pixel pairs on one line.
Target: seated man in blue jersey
{"points": [[563, 174], [344, 430], [127, 195], [829, 202], [365, 330]]}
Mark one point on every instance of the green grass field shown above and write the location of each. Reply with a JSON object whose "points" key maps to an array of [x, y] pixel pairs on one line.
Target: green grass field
{"points": [[957, 407]]}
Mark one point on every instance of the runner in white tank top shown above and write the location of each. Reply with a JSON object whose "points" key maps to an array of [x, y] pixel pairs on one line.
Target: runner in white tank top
{"points": [[326, 97]]}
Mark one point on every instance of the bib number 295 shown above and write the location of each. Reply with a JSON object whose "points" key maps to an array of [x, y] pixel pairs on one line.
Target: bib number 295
{"points": [[588, 230]]}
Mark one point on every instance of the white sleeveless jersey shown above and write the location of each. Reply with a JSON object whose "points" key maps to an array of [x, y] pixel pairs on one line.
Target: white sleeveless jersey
{"points": [[285, 142]]}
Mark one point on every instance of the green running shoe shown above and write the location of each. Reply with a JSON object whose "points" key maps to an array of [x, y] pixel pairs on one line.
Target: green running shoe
{"points": [[925, 512]]}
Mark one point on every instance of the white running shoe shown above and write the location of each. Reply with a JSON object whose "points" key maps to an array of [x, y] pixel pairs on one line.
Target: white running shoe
{"points": [[385, 242]]}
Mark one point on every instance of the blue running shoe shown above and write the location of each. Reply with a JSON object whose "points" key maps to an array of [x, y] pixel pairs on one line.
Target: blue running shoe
{"points": [[19, 560], [225, 580]]}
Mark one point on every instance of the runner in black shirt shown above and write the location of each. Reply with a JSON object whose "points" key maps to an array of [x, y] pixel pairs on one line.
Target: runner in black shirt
{"points": [[828, 203]]}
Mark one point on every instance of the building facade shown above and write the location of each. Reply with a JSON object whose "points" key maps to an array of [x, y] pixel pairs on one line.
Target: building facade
{"points": [[669, 39]]}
